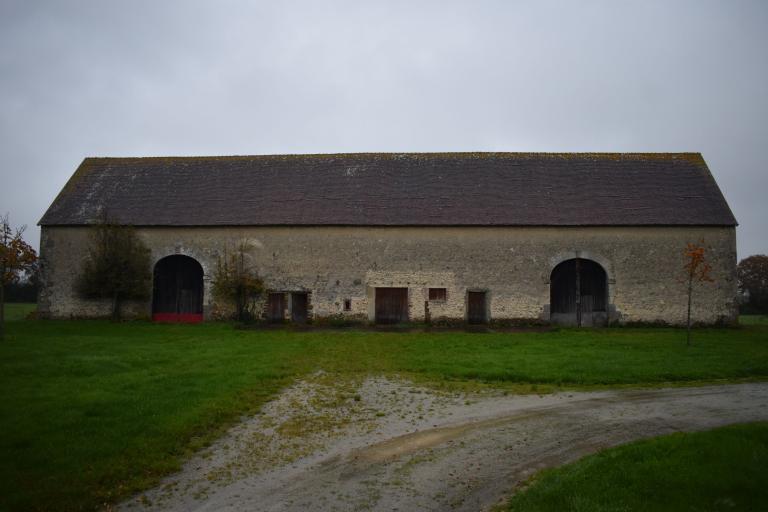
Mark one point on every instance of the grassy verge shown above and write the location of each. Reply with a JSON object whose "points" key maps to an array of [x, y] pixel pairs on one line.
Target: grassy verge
{"points": [[92, 411], [722, 469], [753, 319], [18, 311]]}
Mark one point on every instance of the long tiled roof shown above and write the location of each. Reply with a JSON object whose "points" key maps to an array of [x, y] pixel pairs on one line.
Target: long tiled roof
{"points": [[396, 189]]}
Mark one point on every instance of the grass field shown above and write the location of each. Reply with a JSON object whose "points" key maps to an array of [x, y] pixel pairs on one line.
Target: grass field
{"points": [[91, 411], [722, 469], [15, 311], [753, 320]]}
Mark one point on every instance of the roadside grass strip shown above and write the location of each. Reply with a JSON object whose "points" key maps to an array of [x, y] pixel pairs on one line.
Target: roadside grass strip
{"points": [[720, 469]]}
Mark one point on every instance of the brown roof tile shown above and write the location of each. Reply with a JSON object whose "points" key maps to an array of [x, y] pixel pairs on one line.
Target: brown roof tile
{"points": [[390, 189]]}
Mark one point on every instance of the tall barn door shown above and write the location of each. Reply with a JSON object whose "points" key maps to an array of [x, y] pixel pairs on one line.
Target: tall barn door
{"points": [[476, 310], [299, 303], [177, 290], [275, 307], [578, 293], [391, 305]]}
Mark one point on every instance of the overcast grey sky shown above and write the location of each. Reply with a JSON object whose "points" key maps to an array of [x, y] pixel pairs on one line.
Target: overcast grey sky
{"points": [[139, 78]]}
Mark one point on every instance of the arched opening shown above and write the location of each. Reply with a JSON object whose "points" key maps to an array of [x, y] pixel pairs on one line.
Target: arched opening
{"points": [[578, 293], [177, 294]]}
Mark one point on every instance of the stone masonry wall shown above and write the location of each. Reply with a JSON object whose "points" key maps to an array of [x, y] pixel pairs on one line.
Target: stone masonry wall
{"points": [[643, 264]]}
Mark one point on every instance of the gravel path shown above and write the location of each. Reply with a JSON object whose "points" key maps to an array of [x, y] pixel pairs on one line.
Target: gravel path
{"points": [[327, 444]]}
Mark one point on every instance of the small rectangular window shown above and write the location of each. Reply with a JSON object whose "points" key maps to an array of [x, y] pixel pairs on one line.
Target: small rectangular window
{"points": [[437, 294], [347, 304]]}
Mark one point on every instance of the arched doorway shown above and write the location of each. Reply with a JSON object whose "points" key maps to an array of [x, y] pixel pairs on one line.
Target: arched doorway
{"points": [[578, 293], [177, 294]]}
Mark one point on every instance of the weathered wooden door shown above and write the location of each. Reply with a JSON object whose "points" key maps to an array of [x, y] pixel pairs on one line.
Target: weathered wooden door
{"points": [[177, 294], [299, 303], [275, 307], [578, 293], [476, 308], [391, 305]]}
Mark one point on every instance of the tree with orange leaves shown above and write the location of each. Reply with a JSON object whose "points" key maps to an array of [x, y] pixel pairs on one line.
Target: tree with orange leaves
{"points": [[16, 257], [697, 270]]}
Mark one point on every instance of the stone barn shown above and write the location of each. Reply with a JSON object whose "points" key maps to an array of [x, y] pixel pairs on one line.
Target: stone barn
{"points": [[572, 238]]}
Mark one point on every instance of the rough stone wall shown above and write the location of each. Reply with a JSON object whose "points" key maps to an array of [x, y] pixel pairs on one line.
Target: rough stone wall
{"points": [[643, 264]]}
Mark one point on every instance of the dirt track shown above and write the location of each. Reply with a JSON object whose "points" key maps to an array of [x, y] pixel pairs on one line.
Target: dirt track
{"points": [[387, 445]]}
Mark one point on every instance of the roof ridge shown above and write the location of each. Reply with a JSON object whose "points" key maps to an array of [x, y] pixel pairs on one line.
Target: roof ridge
{"points": [[692, 157], [556, 154]]}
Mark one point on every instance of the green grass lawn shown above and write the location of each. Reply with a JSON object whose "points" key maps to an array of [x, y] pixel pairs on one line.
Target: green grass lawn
{"points": [[91, 411], [17, 311], [722, 469], [753, 319]]}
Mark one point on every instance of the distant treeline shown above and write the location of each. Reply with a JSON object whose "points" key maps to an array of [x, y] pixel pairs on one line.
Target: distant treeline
{"points": [[753, 308], [21, 292]]}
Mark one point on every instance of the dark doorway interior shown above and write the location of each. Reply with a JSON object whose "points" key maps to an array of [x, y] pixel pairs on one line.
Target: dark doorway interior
{"points": [[275, 307], [578, 293], [299, 307], [391, 305], [477, 312], [177, 290]]}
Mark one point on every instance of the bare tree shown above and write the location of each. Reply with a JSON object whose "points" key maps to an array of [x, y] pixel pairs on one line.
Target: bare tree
{"points": [[236, 280], [16, 258]]}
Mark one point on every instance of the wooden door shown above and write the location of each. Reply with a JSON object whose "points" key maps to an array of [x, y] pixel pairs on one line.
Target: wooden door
{"points": [[177, 294], [476, 310], [391, 305], [578, 293], [275, 307], [299, 303]]}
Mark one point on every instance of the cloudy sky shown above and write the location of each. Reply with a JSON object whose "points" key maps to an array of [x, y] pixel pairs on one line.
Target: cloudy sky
{"points": [[139, 78]]}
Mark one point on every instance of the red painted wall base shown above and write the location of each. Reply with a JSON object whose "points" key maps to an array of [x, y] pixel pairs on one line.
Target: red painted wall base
{"points": [[180, 318]]}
